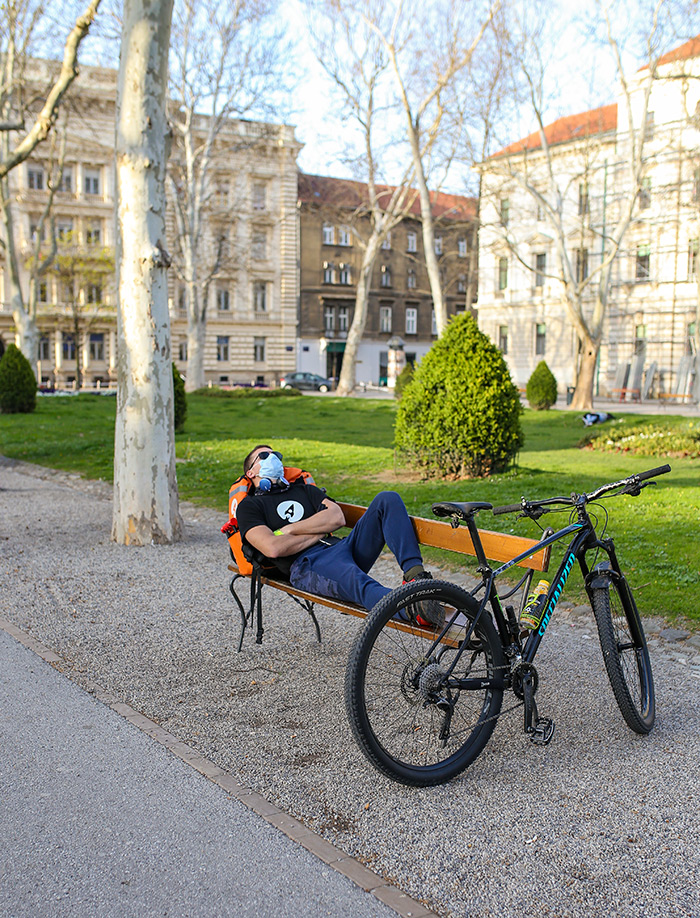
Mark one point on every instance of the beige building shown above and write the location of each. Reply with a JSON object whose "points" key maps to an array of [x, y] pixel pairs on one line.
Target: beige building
{"points": [[252, 300], [333, 219], [650, 330]]}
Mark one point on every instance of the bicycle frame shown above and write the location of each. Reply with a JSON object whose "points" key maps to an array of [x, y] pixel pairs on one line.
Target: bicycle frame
{"points": [[584, 540]]}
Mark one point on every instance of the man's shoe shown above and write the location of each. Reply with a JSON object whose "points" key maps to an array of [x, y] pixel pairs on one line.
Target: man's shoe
{"points": [[429, 613]]}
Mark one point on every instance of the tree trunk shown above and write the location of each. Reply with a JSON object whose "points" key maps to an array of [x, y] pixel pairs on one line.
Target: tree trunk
{"points": [[583, 396], [146, 507], [25, 324], [348, 374], [196, 339]]}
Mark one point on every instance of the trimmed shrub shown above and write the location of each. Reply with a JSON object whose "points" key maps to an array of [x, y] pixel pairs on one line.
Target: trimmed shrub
{"points": [[17, 382], [459, 417], [541, 388], [402, 380], [247, 392], [179, 400]]}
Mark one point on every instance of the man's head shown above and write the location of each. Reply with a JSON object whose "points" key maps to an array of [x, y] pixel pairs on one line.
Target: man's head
{"points": [[251, 463]]}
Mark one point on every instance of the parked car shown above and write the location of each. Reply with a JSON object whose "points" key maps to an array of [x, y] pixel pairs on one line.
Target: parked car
{"points": [[305, 381]]}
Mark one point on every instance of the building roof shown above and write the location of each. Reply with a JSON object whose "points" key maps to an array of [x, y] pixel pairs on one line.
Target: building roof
{"points": [[346, 193], [570, 127], [683, 52]]}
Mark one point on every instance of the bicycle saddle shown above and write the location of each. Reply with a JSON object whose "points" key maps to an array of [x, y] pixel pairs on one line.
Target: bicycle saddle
{"points": [[462, 510]]}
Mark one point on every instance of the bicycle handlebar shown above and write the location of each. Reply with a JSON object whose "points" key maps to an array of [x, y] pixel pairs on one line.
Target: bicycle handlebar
{"points": [[528, 506]]}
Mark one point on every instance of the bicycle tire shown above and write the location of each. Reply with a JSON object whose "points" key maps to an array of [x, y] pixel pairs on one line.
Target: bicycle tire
{"points": [[393, 713], [625, 654]]}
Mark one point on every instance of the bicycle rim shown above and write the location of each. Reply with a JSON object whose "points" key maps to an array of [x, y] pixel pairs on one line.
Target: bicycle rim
{"points": [[413, 728], [626, 656]]}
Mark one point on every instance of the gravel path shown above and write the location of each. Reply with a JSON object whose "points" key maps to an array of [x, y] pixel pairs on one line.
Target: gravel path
{"points": [[600, 822]]}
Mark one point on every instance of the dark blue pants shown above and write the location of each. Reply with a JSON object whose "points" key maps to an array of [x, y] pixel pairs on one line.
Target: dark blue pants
{"points": [[340, 571]]}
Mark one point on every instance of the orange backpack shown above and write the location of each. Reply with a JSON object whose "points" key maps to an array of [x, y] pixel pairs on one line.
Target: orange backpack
{"points": [[240, 489]]}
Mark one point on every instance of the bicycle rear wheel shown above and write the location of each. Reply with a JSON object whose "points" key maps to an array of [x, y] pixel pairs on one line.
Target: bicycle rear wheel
{"points": [[415, 722], [625, 654]]}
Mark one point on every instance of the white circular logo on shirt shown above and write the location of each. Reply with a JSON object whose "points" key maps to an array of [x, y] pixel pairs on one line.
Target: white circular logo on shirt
{"points": [[290, 511]]}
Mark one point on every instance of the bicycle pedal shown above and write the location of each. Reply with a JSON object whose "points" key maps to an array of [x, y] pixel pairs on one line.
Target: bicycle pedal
{"points": [[543, 731]]}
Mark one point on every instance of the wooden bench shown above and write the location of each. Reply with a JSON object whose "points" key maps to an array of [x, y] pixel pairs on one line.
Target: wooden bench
{"points": [[498, 546]]}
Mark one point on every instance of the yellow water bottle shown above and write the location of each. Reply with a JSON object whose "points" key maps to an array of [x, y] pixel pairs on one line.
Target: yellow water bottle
{"points": [[533, 613]]}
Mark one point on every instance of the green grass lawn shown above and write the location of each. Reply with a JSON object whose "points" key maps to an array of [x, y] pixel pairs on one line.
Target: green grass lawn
{"points": [[347, 445]]}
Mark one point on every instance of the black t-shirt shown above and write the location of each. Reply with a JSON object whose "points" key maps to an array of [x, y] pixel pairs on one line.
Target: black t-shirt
{"points": [[276, 509]]}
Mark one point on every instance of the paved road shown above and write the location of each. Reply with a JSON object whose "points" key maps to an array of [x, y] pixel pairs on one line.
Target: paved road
{"points": [[99, 820]]}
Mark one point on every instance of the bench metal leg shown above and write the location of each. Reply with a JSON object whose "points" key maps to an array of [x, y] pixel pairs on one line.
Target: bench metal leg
{"points": [[255, 604], [308, 606]]}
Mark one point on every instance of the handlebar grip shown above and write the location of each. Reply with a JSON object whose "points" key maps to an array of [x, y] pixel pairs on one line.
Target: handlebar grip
{"points": [[511, 508], [652, 473]]}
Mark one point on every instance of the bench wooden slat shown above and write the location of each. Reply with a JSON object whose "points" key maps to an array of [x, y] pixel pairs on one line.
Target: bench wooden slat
{"points": [[498, 546]]}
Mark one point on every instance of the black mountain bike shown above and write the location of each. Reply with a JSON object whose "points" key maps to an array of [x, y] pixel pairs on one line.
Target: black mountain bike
{"points": [[422, 706]]}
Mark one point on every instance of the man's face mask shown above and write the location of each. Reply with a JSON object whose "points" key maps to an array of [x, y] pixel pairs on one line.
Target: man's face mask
{"points": [[271, 471]]}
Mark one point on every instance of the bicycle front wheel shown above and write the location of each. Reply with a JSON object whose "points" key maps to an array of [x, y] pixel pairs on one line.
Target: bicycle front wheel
{"points": [[418, 719], [625, 654]]}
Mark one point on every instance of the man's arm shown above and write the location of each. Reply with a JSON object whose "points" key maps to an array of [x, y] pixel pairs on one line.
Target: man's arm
{"points": [[297, 536]]}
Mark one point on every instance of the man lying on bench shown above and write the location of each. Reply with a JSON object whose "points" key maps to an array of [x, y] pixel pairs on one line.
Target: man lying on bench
{"points": [[291, 524]]}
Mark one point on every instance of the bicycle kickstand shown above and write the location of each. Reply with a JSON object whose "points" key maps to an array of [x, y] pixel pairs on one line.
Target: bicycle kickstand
{"points": [[539, 729]]}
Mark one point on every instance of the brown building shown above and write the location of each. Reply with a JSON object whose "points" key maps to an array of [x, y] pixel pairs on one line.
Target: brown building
{"points": [[333, 221]]}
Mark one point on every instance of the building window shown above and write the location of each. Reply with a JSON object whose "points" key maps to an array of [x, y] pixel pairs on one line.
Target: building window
{"points": [[385, 319], [644, 194], [259, 196], [462, 283], [44, 347], [462, 248], [35, 177], [411, 279], [223, 300], [640, 339], [222, 350], [328, 234], [540, 268], [182, 350], [387, 242], [696, 185], [221, 193], [540, 212], [583, 200], [42, 292], [693, 248], [411, 241], [328, 272], [65, 183], [641, 271], [649, 126], [344, 273], [690, 338], [260, 296], [502, 273], [505, 211], [68, 347], [433, 323], [97, 346], [342, 318], [259, 246], [540, 339], [93, 294], [386, 276], [411, 320], [259, 350], [328, 319], [93, 233], [438, 245], [64, 230], [92, 181], [503, 339], [344, 236], [581, 265], [181, 299], [34, 229]]}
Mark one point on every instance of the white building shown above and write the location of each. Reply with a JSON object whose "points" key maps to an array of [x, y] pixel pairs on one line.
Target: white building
{"points": [[529, 244]]}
